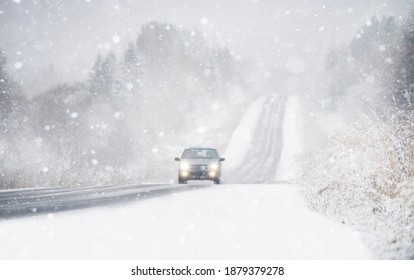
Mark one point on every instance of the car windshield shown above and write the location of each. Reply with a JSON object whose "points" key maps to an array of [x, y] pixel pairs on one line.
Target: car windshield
{"points": [[199, 153]]}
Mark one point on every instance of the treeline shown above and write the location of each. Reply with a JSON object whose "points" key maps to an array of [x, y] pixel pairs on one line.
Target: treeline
{"points": [[104, 130], [376, 70], [362, 173]]}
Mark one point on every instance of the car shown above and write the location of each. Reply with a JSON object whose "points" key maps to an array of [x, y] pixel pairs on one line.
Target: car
{"points": [[199, 163]]}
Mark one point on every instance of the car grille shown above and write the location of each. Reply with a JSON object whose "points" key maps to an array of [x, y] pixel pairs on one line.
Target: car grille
{"points": [[198, 168]]}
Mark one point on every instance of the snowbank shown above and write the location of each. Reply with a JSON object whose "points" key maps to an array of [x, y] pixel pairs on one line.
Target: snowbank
{"points": [[292, 141], [240, 140]]}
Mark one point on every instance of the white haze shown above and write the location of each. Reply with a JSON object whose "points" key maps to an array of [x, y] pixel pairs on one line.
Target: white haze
{"points": [[60, 39]]}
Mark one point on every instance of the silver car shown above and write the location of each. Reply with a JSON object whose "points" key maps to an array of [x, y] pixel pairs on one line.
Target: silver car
{"points": [[198, 163]]}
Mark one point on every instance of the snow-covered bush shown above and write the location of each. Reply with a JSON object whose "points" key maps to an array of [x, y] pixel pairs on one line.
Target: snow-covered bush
{"points": [[360, 166], [364, 176]]}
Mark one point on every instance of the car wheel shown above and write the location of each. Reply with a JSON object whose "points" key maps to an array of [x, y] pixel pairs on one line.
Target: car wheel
{"points": [[182, 181], [217, 181]]}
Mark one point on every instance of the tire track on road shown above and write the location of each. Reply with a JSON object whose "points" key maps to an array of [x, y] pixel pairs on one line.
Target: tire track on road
{"points": [[49, 200], [261, 161]]}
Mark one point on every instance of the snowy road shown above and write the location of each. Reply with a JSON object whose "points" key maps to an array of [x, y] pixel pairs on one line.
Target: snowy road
{"points": [[260, 162], [49, 200], [230, 221], [215, 222]]}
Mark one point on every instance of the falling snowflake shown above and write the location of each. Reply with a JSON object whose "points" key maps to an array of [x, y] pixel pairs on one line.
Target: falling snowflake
{"points": [[116, 39], [204, 21], [389, 60], [119, 115], [215, 106], [201, 130], [18, 65]]}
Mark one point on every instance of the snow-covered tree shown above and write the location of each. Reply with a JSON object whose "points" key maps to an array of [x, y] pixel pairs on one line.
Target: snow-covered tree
{"points": [[101, 76], [404, 74], [5, 89], [130, 73]]}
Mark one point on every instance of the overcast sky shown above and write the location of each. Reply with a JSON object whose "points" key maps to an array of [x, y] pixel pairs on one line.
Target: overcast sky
{"points": [[70, 33]]}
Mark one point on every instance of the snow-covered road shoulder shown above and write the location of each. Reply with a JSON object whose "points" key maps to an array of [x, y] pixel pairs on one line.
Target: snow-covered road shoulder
{"points": [[241, 138], [288, 169]]}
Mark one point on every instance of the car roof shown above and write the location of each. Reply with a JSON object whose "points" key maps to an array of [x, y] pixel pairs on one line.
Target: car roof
{"points": [[199, 147]]}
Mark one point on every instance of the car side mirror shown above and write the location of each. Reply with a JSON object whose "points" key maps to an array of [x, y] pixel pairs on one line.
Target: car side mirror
{"points": [[177, 159], [222, 159]]}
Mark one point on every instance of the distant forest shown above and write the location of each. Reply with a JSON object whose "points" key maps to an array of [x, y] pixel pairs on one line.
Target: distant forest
{"points": [[104, 127]]}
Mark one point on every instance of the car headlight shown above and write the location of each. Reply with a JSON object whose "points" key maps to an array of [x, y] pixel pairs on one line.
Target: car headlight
{"points": [[213, 166], [184, 166]]}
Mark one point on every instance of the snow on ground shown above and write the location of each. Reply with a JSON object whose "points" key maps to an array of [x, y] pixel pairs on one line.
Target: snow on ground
{"points": [[215, 222], [292, 141], [241, 138]]}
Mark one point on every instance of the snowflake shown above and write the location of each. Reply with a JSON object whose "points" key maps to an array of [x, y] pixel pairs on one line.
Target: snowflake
{"points": [[202, 130], [116, 39], [18, 64], [204, 21], [118, 115], [381, 48]]}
